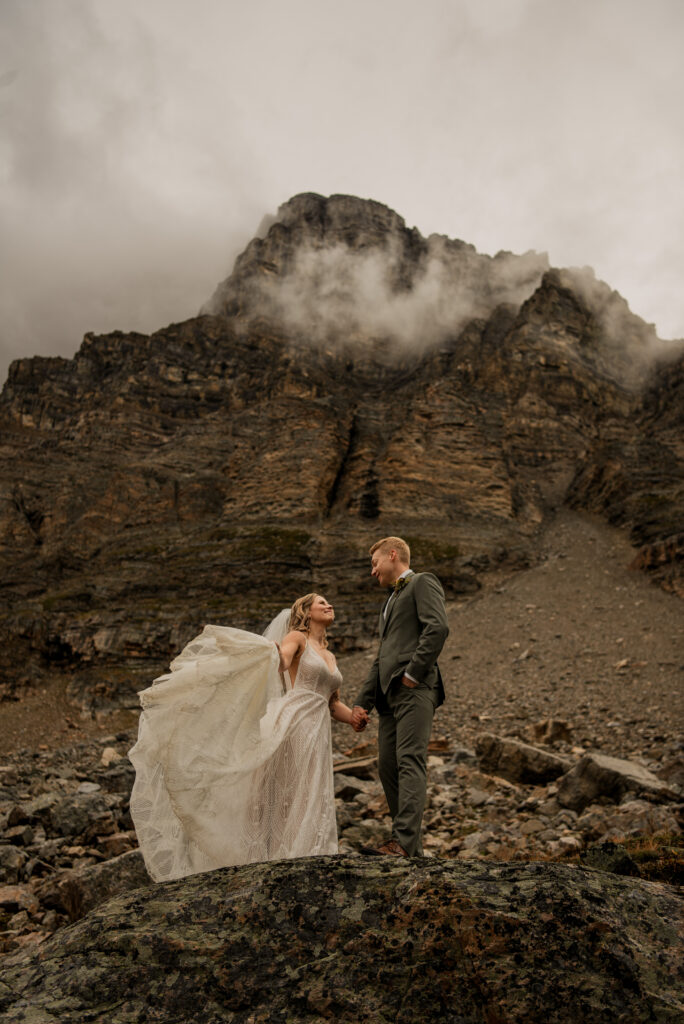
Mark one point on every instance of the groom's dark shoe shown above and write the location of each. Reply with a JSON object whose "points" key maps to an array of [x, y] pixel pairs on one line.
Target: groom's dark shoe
{"points": [[389, 849]]}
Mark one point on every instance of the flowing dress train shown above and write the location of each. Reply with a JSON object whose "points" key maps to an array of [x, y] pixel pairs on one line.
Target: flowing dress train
{"points": [[229, 768]]}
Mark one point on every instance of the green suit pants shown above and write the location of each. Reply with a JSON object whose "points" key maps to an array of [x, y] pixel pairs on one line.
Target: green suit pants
{"points": [[404, 726]]}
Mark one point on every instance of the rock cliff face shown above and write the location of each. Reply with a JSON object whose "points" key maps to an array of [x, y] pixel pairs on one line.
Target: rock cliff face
{"points": [[348, 939], [218, 468]]}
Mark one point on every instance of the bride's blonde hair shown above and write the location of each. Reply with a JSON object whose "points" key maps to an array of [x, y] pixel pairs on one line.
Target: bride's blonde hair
{"points": [[300, 615]]}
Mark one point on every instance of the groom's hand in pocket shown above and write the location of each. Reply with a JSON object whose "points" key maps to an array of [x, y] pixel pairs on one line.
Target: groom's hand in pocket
{"points": [[407, 681]]}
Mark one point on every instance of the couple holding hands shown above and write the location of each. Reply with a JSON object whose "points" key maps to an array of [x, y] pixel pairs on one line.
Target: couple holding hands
{"points": [[234, 753]]}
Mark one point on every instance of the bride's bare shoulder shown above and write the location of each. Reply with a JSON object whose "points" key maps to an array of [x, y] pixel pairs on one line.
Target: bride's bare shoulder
{"points": [[297, 637]]}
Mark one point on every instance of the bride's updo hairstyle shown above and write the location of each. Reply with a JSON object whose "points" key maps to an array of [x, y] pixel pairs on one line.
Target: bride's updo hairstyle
{"points": [[300, 615]]}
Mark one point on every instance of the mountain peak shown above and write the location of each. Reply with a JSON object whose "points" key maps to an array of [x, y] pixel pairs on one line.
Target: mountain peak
{"points": [[343, 269], [347, 272]]}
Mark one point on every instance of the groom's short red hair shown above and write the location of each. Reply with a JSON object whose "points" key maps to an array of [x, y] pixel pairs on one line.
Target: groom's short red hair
{"points": [[399, 545]]}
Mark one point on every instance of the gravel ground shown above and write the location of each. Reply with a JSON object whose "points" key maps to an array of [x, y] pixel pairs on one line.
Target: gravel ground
{"points": [[580, 637], [46, 720]]}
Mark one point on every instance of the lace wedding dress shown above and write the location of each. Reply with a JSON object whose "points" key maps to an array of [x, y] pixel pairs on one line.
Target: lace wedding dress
{"points": [[233, 764]]}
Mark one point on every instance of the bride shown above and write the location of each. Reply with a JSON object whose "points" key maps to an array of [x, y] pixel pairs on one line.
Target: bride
{"points": [[234, 756]]}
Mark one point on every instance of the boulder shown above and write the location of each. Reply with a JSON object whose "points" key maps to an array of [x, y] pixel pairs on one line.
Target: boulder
{"points": [[518, 762], [72, 815], [609, 857], [118, 778], [116, 843], [598, 775], [12, 861], [34, 811], [552, 730], [76, 892], [89, 787], [8, 776], [363, 939], [630, 818], [19, 835], [463, 755], [14, 898], [347, 786]]}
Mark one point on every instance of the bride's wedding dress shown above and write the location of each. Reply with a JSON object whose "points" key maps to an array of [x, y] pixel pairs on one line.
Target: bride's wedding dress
{"points": [[234, 765]]}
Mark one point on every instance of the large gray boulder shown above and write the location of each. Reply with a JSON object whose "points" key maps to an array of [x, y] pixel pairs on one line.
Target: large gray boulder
{"points": [[364, 939], [598, 775], [518, 762]]}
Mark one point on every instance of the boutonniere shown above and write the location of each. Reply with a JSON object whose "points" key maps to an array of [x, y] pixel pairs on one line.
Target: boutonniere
{"points": [[401, 583]]}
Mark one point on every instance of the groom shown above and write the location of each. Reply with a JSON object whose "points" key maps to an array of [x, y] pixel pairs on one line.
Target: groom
{"points": [[405, 686]]}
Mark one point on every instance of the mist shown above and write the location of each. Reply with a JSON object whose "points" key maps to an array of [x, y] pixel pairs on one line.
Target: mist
{"points": [[336, 294], [384, 284], [142, 145]]}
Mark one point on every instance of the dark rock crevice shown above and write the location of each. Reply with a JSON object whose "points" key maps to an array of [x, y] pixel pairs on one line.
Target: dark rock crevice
{"points": [[33, 517], [347, 454], [369, 503]]}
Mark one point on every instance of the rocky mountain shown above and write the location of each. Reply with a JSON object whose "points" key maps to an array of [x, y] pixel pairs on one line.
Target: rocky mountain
{"points": [[350, 379]]}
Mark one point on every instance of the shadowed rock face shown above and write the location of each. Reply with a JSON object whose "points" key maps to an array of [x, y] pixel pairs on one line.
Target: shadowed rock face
{"points": [[351, 939], [216, 470]]}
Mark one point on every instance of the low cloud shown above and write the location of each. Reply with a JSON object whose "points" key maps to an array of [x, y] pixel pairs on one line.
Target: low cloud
{"points": [[348, 273], [339, 294]]}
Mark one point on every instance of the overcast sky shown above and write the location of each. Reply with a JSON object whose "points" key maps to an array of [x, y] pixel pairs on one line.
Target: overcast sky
{"points": [[143, 141]]}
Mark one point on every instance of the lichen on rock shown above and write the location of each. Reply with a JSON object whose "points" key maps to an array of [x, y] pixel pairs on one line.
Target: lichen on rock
{"points": [[351, 938]]}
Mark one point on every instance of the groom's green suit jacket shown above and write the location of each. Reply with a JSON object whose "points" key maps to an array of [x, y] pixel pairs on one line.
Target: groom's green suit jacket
{"points": [[411, 638]]}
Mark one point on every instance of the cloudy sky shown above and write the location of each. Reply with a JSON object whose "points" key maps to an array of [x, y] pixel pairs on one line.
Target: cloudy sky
{"points": [[143, 141]]}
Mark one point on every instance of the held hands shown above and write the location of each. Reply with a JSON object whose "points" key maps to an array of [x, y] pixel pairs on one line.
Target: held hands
{"points": [[359, 718]]}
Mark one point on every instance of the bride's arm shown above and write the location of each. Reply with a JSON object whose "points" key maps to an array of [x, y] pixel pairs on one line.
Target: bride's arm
{"points": [[290, 649], [341, 713]]}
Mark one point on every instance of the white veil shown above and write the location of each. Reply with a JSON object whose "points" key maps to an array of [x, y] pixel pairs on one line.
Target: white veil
{"points": [[278, 629]]}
